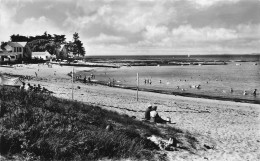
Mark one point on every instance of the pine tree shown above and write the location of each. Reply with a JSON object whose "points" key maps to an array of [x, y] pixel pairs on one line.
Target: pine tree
{"points": [[78, 48]]}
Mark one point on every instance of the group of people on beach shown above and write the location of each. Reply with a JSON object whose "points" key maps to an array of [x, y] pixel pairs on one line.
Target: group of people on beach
{"points": [[88, 79], [147, 81], [34, 88], [246, 93], [111, 83], [152, 115]]}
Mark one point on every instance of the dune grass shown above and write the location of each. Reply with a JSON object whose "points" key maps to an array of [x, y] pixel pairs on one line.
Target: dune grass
{"points": [[45, 127], [39, 126]]}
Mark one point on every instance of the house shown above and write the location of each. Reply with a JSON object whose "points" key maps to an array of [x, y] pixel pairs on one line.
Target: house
{"points": [[15, 49], [41, 55], [12, 51]]}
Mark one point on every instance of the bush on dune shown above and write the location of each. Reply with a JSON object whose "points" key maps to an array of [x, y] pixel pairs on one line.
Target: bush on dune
{"points": [[45, 127]]}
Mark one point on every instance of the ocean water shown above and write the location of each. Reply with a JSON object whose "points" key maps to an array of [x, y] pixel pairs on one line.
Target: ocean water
{"points": [[233, 57], [214, 80]]}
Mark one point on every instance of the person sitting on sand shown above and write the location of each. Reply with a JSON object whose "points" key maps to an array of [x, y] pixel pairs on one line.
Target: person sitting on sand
{"points": [[147, 113], [28, 87], [155, 116], [22, 86]]}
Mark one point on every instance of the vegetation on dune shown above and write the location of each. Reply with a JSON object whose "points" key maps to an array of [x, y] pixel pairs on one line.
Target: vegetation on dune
{"points": [[38, 126], [45, 127]]}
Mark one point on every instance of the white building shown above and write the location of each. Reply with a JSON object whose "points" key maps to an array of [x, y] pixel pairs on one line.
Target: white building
{"points": [[41, 55]]}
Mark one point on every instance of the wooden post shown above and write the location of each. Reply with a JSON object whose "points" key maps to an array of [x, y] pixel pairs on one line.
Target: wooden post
{"points": [[72, 81], [137, 81]]}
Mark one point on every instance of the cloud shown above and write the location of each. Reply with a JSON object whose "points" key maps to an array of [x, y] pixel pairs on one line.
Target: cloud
{"points": [[102, 38], [187, 33], [140, 25], [29, 25], [208, 3]]}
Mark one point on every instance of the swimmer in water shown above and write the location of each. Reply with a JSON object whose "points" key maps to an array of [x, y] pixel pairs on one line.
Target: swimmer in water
{"points": [[254, 93]]}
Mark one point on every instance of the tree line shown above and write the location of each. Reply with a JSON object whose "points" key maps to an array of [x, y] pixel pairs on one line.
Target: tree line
{"points": [[52, 44]]}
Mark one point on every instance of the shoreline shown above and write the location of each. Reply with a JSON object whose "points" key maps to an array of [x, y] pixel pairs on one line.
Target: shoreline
{"points": [[104, 83], [191, 95]]}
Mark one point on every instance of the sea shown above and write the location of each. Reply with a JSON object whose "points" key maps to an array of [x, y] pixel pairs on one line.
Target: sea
{"points": [[234, 81]]}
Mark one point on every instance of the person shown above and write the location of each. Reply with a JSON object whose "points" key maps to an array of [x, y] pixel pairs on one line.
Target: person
{"points": [[254, 93], [39, 88], [27, 87], [155, 116], [85, 79], [34, 88], [22, 87], [147, 113]]}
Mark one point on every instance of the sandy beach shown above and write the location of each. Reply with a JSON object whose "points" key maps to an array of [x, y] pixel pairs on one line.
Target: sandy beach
{"points": [[232, 128]]}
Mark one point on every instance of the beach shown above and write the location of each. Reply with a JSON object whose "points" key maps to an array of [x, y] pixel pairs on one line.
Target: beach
{"points": [[232, 129]]}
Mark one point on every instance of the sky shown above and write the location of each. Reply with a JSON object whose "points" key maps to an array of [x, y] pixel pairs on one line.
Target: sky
{"points": [[140, 27]]}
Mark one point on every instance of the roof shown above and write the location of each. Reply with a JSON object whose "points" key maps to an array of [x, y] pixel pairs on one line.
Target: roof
{"points": [[22, 43], [14, 44], [8, 48], [40, 53], [4, 53]]}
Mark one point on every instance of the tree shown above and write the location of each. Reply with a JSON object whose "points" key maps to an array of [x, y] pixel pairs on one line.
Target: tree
{"points": [[81, 49], [59, 39], [3, 44], [18, 38], [75, 36], [38, 45], [77, 47]]}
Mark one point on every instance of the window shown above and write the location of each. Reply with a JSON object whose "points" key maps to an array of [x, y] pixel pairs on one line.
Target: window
{"points": [[14, 49]]}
